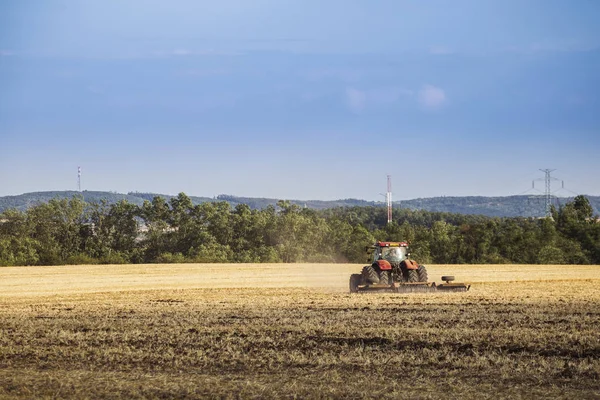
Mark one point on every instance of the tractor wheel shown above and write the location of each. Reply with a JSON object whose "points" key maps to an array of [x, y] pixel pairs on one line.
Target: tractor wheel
{"points": [[399, 277], [354, 282], [384, 277], [422, 272], [370, 275], [448, 278], [399, 274], [412, 276]]}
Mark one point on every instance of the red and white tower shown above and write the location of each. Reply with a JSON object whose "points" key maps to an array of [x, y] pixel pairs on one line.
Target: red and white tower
{"points": [[388, 198]]}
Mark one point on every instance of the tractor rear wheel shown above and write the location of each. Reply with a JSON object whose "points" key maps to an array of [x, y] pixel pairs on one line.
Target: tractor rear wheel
{"points": [[422, 272], [384, 277], [412, 276], [354, 282], [369, 274]]}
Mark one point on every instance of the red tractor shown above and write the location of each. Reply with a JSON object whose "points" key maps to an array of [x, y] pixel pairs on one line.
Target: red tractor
{"points": [[393, 270]]}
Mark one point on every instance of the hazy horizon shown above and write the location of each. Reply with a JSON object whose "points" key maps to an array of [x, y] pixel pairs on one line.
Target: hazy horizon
{"points": [[311, 100], [565, 195]]}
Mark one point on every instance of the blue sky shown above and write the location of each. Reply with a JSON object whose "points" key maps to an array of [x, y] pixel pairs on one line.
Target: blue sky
{"points": [[300, 99]]}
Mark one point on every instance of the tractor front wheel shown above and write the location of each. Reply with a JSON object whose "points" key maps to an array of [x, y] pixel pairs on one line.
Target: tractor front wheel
{"points": [[354, 282]]}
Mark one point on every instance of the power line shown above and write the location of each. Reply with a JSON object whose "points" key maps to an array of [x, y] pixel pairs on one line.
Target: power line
{"points": [[529, 190]]}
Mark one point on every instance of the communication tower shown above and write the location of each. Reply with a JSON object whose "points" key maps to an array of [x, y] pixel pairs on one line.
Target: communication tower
{"points": [[388, 198], [79, 179]]}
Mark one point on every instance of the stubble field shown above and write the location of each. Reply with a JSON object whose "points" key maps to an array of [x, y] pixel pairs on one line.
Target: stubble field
{"points": [[292, 330]]}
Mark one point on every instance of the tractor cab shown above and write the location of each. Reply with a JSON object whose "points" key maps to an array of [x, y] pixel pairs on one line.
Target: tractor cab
{"points": [[393, 252]]}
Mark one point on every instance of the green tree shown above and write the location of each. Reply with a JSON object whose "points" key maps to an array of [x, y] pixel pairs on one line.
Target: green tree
{"points": [[156, 230], [576, 222], [57, 227], [550, 254], [442, 247], [359, 239], [16, 245]]}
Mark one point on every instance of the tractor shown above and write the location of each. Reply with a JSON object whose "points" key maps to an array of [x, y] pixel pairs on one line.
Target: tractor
{"points": [[391, 269]]}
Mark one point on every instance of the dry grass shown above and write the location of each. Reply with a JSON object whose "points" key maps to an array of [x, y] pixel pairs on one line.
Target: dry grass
{"points": [[260, 331]]}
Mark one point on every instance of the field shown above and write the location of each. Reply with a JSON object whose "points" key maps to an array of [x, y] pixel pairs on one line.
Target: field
{"points": [[273, 330]]}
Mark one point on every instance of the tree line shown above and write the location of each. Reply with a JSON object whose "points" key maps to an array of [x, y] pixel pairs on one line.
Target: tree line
{"points": [[71, 231]]}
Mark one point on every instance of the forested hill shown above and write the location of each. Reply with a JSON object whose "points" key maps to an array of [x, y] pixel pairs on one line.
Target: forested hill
{"points": [[509, 206]]}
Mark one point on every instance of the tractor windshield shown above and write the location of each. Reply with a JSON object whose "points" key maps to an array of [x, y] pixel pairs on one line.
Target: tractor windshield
{"points": [[392, 254]]}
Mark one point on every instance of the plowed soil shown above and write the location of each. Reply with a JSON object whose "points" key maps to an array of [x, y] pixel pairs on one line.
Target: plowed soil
{"points": [[293, 330]]}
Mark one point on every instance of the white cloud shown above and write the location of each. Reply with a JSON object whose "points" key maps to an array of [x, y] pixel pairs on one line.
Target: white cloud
{"points": [[356, 99], [387, 95], [6, 53], [432, 97]]}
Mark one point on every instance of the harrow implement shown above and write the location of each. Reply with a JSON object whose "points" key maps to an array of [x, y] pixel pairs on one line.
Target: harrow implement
{"points": [[416, 287]]}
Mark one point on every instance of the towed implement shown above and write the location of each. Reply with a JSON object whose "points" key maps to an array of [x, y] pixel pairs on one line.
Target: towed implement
{"points": [[393, 271]]}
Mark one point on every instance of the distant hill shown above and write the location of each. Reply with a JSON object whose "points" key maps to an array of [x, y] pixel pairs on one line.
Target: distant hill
{"points": [[26, 200], [508, 206], [259, 203]]}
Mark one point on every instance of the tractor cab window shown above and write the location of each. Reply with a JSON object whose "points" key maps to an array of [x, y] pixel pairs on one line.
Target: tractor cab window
{"points": [[392, 254]]}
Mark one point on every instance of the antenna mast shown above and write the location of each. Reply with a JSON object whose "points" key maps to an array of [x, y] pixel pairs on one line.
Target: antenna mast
{"points": [[388, 198]]}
